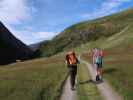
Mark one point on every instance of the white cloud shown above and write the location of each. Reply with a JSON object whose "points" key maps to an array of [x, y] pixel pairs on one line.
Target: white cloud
{"points": [[29, 37], [14, 11], [107, 7], [45, 35]]}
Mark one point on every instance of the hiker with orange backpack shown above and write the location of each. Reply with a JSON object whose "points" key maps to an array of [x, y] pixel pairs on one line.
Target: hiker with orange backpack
{"points": [[97, 61], [72, 62]]}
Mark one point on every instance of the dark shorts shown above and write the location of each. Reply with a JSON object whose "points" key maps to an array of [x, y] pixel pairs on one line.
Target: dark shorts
{"points": [[73, 68], [98, 65]]}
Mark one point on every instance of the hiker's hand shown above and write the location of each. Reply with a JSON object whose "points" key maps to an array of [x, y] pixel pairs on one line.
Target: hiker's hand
{"points": [[78, 62], [66, 63]]}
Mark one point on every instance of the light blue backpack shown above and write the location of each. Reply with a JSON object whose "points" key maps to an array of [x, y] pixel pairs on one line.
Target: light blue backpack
{"points": [[98, 59]]}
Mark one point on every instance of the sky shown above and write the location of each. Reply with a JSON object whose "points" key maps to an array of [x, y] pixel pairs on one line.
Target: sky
{"points": [[33, 21]]}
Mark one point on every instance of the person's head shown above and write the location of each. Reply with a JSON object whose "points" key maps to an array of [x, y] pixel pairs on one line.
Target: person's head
{"points": [[71, 52], [97, 48]]}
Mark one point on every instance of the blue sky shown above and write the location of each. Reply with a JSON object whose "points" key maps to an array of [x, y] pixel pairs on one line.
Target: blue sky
{"points": [[35, 20]]}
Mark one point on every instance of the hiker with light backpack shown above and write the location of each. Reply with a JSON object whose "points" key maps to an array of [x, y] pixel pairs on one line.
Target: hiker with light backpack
{"points": [[72, 62], [97, 61]]}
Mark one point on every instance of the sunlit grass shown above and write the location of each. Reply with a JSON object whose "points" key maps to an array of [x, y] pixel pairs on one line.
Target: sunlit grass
{"points": [[86, 87], [33, 80]]}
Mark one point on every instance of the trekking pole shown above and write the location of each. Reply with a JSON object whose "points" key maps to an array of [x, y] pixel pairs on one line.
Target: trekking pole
{"points": [[78, 71], [77, 79]]}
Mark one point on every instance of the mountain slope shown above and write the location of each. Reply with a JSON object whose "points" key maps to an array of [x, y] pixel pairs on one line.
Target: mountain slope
{"points": [[117, 62], [88, 31], [11, 48]]}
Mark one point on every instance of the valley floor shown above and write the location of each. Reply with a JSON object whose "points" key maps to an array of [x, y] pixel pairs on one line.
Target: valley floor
{"points": [[39, 79]]}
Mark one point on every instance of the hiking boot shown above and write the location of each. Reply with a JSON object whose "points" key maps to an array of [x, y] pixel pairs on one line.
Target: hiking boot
{"points": [[72, 89], [100, 77], [97, 78]]}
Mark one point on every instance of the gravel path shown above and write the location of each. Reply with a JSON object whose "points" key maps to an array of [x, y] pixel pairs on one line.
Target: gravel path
{"points": [[68, 94], [104, 88]]}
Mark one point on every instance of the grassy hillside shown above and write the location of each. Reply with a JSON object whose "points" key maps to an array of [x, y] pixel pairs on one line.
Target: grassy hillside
{"points": [[117, 65], [88, 31], [39, 79]]}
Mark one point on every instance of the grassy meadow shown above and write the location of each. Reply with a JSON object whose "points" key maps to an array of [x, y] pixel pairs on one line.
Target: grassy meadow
{"points": [[117, 62], [39, 79]]}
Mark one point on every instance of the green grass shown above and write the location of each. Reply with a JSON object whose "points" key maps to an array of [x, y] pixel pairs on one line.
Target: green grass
{"points": [[119, 71], [39, 79], [86, 88], [121, 78], [118, 63], [88, 31], [107, 33]]}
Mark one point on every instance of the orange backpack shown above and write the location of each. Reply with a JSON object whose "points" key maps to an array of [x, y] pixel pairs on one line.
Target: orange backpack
{"points": [[71, 58]]}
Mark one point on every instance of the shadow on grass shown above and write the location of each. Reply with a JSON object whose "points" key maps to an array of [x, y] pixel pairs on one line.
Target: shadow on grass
{"points": [[109, 71], [86, 82], [91, 81]]}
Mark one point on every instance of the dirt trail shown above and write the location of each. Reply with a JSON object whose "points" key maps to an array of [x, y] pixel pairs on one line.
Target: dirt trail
{"points": [[118, 34], [104, 88], [68, 94]]}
